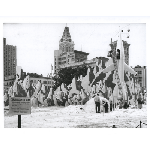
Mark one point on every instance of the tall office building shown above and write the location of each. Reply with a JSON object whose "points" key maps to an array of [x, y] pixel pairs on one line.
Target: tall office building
{"points": [[9, 63], [66, 53], [141, 75], [113, 46]]}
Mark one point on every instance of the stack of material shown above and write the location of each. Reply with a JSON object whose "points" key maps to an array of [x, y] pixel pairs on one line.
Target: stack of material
{"points": [[90, 106]]}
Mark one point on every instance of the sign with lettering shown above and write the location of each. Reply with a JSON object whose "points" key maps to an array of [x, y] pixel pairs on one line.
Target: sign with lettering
{"points": [[19, 106]]}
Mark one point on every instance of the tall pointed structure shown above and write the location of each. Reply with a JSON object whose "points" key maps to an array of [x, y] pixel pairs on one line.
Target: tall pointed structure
{"points": [[119, 65], [66, 44], [66, 54]]}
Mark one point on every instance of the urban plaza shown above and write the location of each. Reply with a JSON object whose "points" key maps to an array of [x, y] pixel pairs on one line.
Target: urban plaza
{"points": [[102, 92]]}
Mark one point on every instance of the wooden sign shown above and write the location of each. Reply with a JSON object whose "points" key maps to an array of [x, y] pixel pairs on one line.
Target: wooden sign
{"points": [[19, 106]]}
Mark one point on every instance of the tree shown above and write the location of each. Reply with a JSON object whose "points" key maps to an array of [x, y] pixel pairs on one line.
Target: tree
{"points": [[65, 75]]}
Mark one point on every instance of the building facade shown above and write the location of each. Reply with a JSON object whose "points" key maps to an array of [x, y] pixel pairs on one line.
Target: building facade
{"points": [[141, 75], [113, 46], [92, 63], [9, 64], [66, 53], [10, 61], [47, 82]]}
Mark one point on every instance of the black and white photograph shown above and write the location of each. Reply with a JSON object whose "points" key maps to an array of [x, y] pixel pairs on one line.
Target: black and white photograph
{"points": [[71, 72], [74, 75]]}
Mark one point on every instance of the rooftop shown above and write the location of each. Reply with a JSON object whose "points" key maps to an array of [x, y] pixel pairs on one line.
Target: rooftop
{"points": [[81, 52]]}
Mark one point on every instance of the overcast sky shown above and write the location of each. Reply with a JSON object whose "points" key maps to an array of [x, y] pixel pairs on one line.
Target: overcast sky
{"points": [[36, 42]]}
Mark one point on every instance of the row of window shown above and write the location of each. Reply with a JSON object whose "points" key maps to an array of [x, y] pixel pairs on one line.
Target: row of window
{"points": [[8, 52], [63, 62], [9, 66], [9, 57], [9, 62], [139, 72], [68, 49], [63, 58], [8, 74], [9, 83], [47, 87], [10, 70], [9, 47], [13, 60], [44, 82]]}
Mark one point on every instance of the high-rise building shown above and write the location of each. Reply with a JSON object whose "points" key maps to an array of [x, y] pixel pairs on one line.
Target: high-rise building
{"points": [[141, 75], [9, 63], [113, 46], [66, 53]]}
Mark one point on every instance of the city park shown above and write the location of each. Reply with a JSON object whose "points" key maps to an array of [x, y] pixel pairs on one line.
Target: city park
{"points": [[76, 88]]}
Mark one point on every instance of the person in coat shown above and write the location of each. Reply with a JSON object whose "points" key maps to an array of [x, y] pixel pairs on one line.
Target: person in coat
{"points": [[140, 102], [97, 103]]}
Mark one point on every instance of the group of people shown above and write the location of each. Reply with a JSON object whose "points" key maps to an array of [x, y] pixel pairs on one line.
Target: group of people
{"points": [[70, 99], [108, 106], [99, 101]]}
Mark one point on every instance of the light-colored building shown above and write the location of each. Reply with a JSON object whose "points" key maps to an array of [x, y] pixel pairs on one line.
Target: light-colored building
{"points": [[10, 60], [9, 64], [8, 83], [46, 81], [66, 53], [91, 63], [141, 75]]}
